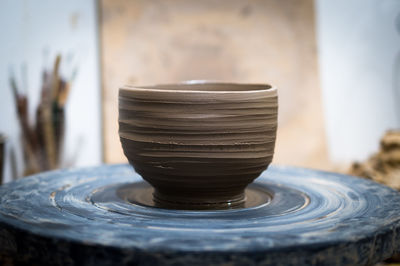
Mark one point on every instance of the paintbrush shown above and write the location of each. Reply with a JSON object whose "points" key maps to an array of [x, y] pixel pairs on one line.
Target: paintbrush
{"points": [[65, 89], [22, 111], [49, 116], [40, 121]]}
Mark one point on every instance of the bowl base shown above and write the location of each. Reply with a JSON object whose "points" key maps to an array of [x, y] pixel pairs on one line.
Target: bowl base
{"points": [[143, 194], [191, 202]]}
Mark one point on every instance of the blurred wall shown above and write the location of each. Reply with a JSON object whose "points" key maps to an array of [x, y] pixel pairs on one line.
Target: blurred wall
{"points": [[359, 55], [31, 34], [268, 41]]}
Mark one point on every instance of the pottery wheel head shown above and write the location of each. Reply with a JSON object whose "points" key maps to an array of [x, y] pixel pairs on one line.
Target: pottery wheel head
{"points": [[277, 199]]}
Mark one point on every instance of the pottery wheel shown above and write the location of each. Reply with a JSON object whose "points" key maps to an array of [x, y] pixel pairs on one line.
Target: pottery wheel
{"points": [[105, 216]]}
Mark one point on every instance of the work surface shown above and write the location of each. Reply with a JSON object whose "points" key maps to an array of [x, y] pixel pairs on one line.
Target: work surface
{"points": [[105, 216]]}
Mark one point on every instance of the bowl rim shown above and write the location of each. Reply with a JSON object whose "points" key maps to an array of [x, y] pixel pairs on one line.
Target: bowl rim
{"points": [[254, 87]]}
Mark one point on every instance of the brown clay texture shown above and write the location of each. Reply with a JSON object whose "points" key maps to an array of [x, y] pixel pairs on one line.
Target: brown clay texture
{"points": [[198, 144]]}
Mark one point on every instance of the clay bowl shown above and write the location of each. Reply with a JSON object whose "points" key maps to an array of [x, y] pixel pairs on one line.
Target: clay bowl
{"points": [[198, 144]]}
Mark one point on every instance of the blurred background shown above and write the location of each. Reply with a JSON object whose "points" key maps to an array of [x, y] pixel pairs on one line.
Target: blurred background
{"points": [[336, 65]]}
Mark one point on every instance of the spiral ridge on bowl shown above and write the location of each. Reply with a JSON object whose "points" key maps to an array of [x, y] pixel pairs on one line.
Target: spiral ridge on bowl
{"points": [[198, 143]]}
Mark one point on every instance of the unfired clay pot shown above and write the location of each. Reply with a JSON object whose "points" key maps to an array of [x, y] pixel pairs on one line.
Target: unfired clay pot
{"points": [[198, 144]]}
